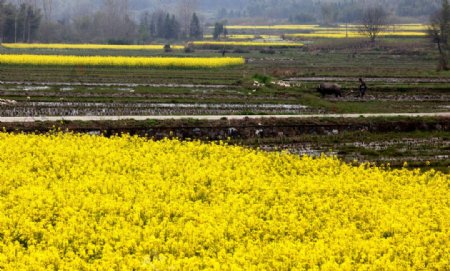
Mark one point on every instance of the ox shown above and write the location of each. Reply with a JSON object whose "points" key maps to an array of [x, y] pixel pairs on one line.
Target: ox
{"points": [[330, 89]]}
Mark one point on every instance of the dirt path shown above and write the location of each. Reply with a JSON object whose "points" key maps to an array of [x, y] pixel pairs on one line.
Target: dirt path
{"points": [[233, 117]]}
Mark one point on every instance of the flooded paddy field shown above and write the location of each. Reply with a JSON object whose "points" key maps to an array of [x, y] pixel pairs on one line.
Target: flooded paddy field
{"points": [[280, 97]]}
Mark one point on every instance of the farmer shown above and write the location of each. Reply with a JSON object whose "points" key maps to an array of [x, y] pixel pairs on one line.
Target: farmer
{"points": [[362, 88]]}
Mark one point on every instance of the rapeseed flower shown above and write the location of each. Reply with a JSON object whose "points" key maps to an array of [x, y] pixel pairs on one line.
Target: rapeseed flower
{"points": [[80, 202], [156, 62]]}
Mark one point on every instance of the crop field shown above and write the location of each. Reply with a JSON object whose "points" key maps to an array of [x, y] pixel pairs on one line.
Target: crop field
{"points": [[352, 34], [317, 31], [159, 62], [228, 44], [400, 73], [146, 205], [400, 27], [246, 37], [251, 193], [86, 46]]}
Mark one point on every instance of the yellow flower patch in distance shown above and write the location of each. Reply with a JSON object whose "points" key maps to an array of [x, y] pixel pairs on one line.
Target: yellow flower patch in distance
{"points": [[402, 27], [341, 33], [273, 27], [245, 37], [86, 46], [247, 44], [156, 62], [136, 204]]}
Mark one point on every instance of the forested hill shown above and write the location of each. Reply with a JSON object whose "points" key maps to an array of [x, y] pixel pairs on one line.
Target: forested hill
{"points": [[294, 10], [286, 8]]}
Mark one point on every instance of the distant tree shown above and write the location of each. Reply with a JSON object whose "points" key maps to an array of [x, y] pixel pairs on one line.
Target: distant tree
{"points": [[152, 27], [27, 22], [145, 26], [2, 19], [195, 28], [171, 27], [185, 10], [157, 25], [222, 13], [47, 7], [350, 13], [329, 13], [175, 28], [302, 18], [167, 27], [218, 30], [439, 32], [10, 23], [373, 22], [160, 25], [225, 32]]}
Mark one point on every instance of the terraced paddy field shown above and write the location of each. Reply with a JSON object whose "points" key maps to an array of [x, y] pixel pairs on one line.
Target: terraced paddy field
{"points": [[400, 73]]}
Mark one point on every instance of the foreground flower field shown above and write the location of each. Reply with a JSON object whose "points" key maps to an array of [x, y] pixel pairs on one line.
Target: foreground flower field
{"points": [[79, 202]]}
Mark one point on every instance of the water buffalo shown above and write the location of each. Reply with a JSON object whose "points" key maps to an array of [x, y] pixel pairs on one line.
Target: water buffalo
{"points": [[330, 89]]}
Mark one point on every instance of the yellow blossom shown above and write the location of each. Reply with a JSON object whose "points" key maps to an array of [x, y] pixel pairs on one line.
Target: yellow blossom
{"points": [[81, 202]]}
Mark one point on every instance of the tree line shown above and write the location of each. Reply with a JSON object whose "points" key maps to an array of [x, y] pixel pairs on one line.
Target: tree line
{"points": [[18, 23], [439, 32], [161, 25], [113, 22], [313, 11]]}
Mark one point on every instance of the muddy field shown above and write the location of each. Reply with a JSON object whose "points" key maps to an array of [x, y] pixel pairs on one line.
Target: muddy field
{"points": [[281, 97], [401, 76], [416, 151], [142, 109], [423, 142]]}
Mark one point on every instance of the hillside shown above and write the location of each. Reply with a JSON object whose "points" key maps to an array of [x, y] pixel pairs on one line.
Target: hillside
{"points": [[229, 9]]}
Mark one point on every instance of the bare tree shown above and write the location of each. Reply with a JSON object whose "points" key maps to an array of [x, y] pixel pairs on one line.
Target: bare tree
{"points": [[2, 19], [373, 22], [329, 13], [114, 20], [185, 10], [47, 7], [439, 31]]}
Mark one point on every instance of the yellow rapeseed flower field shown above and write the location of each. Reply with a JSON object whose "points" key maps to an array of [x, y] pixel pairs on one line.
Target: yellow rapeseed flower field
{"points": [[317, 31], [157, 62], [400, 27], [246, 44], [86, 46], [396, 27], [339, 34], [80, 202], [246, 37], [273, 27]]}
